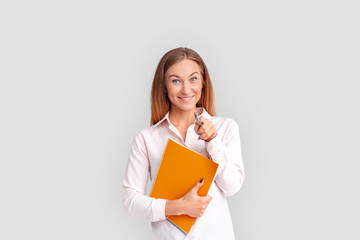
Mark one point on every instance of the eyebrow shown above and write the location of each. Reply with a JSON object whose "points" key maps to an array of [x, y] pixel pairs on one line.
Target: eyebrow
{"points": [[173, 75]]}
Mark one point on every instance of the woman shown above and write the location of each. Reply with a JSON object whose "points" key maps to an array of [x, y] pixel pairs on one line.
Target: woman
{"points": [[181, 87]]}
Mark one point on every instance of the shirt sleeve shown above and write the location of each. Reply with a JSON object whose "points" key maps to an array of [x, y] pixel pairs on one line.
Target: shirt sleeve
{"points": [[136, 203], [226, 151]]}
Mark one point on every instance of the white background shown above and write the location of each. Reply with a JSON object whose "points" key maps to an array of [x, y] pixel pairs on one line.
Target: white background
{"points": [[75, 86]]}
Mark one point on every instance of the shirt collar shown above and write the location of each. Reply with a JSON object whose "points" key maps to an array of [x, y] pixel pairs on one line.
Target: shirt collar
{"points": [[202, 111], [166, 117]]}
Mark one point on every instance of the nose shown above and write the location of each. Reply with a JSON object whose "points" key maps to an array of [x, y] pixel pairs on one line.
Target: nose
{"points": [[185, 88]]}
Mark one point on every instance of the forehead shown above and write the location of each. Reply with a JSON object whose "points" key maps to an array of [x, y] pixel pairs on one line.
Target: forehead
{"points": [[184, 68]]}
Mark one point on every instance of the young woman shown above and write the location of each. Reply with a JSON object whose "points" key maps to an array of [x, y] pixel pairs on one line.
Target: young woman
{"points": [[181, 87]]}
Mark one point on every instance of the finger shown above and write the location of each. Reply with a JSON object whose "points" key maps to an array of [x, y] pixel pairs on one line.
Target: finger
{"points": [[203, 136], [198, 186], [212, 131], [204, 127], [202, 120], [196, 128], [201, 130], [209, 124]]}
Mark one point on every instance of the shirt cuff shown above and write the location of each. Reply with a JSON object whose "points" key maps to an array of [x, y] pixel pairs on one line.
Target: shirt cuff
{"points": [[159, 208]]}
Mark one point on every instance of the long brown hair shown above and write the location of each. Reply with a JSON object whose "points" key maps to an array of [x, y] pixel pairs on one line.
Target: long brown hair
{"points": [[160, 103]]}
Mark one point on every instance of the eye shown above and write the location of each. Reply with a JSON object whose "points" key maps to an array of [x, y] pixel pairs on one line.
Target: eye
{"points": [[193, 79], [175, 81]]}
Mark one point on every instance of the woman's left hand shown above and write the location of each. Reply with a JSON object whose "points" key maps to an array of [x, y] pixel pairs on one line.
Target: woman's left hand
{"points": [[207, 131]]}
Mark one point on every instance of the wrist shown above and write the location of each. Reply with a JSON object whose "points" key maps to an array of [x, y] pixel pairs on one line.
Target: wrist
{"points": [[211, 138], [174, 207], [180, 207]]}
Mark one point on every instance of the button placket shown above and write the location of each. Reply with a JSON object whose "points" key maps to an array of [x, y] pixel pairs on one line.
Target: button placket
{"points": [[177, 133], [189, 135]]}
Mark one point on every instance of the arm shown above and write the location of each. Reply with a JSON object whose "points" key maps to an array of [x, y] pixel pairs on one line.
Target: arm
{"points": [[226, 151], [136, 203]]}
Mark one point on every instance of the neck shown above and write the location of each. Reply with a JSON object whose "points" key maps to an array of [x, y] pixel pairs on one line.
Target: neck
{"points": [[181, 118]]}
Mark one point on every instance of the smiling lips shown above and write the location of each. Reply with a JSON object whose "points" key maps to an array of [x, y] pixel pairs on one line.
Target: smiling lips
{"points": [[186, 99]]}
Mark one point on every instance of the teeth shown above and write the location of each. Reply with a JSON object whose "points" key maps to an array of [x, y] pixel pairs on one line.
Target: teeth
{"points": [[186, 98]]}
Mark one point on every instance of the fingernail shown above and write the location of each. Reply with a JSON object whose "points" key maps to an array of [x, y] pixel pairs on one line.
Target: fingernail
{"points": [[201, 180]]}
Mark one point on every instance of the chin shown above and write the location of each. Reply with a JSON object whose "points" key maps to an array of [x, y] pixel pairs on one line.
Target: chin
{"points": [[186, 107]]}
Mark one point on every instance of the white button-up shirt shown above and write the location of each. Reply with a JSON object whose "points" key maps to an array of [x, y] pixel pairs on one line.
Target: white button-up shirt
{"points": [[144, 159]]}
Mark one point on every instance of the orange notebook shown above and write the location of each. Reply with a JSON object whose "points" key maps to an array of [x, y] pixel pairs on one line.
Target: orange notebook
{"points": [[180, 169]]}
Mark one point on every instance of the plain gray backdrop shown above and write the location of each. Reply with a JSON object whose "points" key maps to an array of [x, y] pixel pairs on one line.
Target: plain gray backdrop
{"points": [[75, 86]]}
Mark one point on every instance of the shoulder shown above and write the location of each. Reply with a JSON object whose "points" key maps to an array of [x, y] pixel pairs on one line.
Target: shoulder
{"points": [[139, 143], [141, 135], [145, 134]]}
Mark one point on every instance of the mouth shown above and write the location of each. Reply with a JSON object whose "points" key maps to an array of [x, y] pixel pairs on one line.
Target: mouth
{"points": [[186, 99]]}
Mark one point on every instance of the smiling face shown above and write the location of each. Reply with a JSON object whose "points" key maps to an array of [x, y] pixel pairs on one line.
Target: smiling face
{"points": [[183, 84]]}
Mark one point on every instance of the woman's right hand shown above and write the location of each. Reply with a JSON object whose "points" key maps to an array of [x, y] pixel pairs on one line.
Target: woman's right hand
{"points": [[194, 205]]}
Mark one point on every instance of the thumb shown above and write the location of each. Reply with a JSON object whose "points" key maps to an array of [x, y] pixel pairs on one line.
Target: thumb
{"points": [[196, 128], [201, 119], [198, 185]]}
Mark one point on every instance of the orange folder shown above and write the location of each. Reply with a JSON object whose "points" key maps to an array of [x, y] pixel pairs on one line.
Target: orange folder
{"points": [[180, 169]]}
